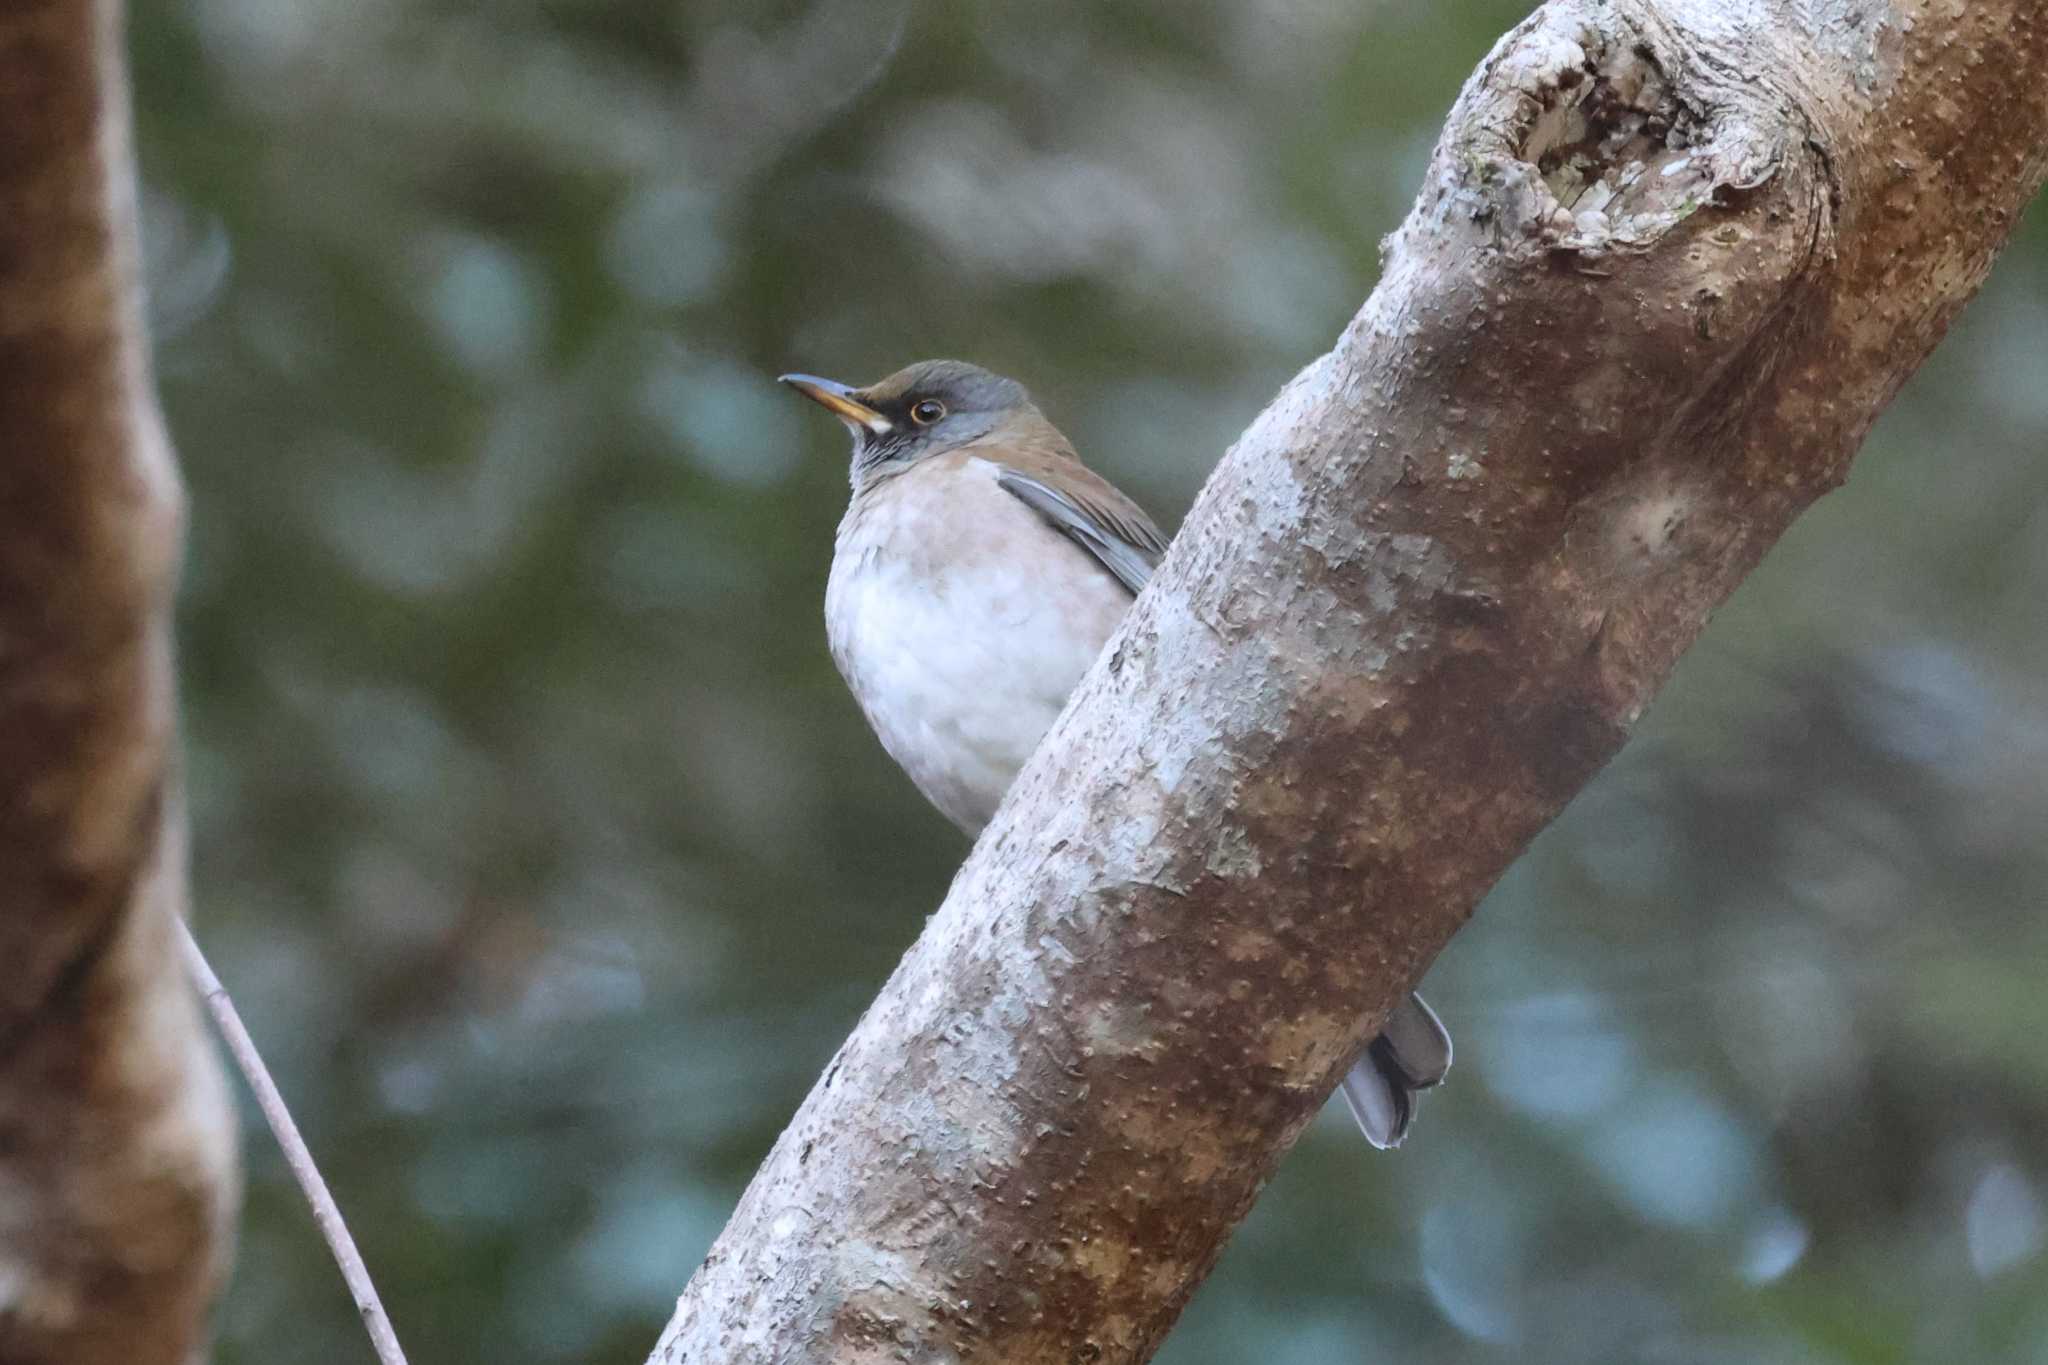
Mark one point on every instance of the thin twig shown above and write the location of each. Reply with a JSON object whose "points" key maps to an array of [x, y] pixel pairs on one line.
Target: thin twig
{"points": [[325, 1212]]}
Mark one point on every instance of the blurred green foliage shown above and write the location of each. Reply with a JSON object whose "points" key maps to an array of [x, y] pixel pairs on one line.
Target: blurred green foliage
{"points": [[550, 861]]}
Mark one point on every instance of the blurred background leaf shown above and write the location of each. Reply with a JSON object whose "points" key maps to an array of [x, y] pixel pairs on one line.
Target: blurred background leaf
{"points": [[551, 862]]}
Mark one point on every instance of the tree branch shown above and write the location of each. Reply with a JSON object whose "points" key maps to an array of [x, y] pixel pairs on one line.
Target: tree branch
{"points": [[1669, 262], [341, 1243], [116, 1134]]}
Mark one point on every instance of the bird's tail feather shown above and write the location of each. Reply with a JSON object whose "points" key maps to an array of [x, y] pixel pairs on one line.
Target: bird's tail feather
{"points": [[1412, 1053]]}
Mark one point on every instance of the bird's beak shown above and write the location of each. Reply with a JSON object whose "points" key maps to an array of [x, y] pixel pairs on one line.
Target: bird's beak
{"points": [[839, 400]]}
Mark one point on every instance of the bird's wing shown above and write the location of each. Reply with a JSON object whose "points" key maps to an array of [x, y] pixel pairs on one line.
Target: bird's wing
{"points": [[1096, 517]]}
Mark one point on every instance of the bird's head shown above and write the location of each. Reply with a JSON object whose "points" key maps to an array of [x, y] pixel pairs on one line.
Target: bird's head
{"points": [[920, 411]]}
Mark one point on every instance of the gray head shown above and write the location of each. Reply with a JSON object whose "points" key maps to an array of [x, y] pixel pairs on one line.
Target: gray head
{"points": [[920, 411]]}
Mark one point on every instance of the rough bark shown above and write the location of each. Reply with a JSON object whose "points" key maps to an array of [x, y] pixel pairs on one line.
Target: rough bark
{"points": [[116, 1134], [1670, 261]]}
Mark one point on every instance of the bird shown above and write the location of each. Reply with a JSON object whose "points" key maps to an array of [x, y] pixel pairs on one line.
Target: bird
{"points": [[978, 571]]}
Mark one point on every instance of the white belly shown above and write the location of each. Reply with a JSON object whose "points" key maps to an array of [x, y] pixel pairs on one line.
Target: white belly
{"points": [[961, 657]]}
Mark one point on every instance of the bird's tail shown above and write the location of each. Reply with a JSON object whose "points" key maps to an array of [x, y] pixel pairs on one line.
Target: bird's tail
{"points": [[1412, 1053]]}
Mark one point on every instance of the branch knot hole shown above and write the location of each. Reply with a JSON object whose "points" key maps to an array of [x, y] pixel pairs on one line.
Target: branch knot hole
{"points": [[1620, 155]]}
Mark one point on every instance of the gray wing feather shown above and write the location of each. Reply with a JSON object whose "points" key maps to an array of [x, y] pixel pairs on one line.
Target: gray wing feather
{"points": [[1129, 547]]}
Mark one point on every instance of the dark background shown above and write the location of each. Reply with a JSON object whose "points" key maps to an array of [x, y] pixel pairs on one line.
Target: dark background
{"points": [[550, 861]]}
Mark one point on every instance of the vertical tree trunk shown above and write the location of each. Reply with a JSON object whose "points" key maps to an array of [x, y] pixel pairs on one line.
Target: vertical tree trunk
{"points": [[1670, 261], [116, 1135]]}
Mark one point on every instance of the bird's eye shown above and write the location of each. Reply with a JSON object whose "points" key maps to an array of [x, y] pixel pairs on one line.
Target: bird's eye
{"points": [[926, 411]]}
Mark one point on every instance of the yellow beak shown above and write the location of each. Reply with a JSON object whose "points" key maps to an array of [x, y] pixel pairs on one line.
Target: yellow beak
{"points": [[839, 400]]}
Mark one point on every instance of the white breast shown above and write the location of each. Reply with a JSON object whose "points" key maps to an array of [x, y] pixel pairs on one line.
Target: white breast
{"points": [[961, 622]]}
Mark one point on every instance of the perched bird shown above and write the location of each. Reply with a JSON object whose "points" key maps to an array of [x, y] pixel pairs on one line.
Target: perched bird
{"points": [[979, 570]]}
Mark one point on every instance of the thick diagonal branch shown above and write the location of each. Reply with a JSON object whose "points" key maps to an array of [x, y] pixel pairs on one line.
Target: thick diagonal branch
{"points": [[1669, 263], [116, 1135]]}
